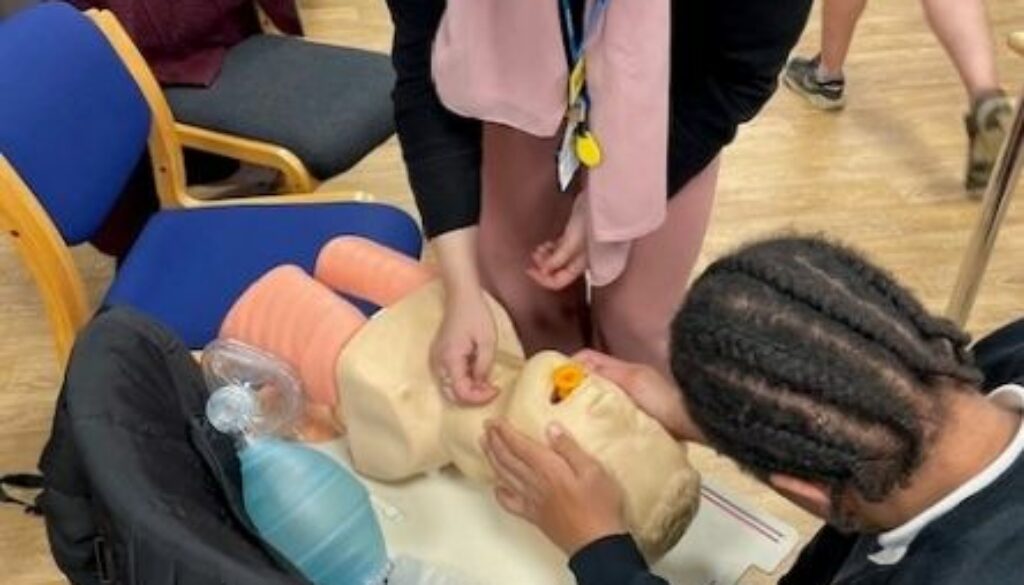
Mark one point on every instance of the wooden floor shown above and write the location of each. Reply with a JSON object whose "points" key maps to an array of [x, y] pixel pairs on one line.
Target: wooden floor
{"points": [[885, 174]]}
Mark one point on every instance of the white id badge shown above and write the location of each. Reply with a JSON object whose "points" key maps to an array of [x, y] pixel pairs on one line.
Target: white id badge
{"points": [[568, 161]]}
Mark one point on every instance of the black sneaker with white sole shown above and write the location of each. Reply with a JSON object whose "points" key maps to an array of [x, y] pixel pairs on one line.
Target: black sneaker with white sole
{"points": [[801, 76]]}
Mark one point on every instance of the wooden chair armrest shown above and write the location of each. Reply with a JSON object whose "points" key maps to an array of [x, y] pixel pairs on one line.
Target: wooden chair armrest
{"points": [[291, 199], [296, 177]]}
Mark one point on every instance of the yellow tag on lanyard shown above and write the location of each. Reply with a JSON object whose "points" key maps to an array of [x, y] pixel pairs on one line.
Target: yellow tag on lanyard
{"points": [[588, 149], [579, 145]]}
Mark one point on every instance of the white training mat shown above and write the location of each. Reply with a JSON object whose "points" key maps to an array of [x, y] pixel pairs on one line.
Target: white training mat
{"points": [[727, 538], [447, 520]]}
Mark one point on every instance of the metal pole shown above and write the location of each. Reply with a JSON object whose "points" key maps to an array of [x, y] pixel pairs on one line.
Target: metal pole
{"points": [[994, 206]]}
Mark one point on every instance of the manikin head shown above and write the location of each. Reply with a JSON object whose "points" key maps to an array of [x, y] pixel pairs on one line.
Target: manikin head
{"points": [[399, 425]]}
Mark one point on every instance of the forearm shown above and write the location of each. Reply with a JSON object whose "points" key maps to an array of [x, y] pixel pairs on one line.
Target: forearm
{"points": [[456, 253]]}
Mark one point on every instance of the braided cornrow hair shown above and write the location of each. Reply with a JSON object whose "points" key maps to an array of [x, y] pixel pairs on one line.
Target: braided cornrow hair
{"points": [[797, 356]]}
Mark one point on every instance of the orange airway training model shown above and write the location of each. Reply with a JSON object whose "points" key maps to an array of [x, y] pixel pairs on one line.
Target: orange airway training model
{"points": [[305, 322], [367, 270]]}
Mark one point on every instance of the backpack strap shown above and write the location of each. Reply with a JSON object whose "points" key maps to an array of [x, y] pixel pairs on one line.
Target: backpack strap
{"points": [[22, 481]]}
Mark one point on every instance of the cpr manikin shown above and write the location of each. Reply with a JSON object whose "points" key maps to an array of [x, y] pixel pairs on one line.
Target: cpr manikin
{"points": [[375, 375]]}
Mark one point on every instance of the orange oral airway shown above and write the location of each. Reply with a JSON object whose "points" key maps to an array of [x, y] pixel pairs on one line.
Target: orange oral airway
{"points": [[567, 379]]}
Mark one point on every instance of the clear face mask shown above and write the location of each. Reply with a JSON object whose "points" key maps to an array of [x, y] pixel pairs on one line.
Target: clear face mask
{"points": [[307, 506]]}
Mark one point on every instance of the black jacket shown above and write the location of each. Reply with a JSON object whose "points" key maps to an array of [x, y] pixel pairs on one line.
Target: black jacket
{"points": [[726, 57], [980, 542]]}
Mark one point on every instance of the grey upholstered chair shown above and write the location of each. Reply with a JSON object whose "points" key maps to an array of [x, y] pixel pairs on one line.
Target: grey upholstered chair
{"points": [[321, 108]]}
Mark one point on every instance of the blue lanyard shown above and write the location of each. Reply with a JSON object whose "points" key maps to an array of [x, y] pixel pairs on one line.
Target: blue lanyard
{"points": [[577, 46]]}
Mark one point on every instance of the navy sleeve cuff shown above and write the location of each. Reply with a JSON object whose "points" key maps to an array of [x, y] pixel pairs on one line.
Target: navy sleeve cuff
{"points": [[612, 560]]}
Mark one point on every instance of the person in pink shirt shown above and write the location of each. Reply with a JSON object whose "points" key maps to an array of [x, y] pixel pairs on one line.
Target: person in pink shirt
{"points": [[580, 201]]}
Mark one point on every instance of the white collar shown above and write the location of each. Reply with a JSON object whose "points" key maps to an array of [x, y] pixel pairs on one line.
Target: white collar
{"points": [[895, 542]]}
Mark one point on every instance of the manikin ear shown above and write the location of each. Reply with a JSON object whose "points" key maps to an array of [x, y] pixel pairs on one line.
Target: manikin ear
{"points": [[813, 497]]}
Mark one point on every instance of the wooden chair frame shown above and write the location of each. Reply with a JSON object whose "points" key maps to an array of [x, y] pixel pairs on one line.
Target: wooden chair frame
{"points": [[39, 242], [168, 136], [43, 251], [296, 179]]}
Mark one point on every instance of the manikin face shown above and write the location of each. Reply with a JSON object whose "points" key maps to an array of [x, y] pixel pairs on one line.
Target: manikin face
{"points": [[661, 489]]}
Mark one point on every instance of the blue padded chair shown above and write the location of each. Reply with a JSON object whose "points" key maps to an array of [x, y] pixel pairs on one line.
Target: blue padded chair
{"points": [[77, 105]]}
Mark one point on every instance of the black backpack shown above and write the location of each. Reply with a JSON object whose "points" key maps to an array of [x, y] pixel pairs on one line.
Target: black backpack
{"points": [[137, 488]]}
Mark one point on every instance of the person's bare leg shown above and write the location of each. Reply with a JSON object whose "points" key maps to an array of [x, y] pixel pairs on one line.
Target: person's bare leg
{"points": [[963, 29], [838, 23], [521, 207], [819, 79], [632, 314]]}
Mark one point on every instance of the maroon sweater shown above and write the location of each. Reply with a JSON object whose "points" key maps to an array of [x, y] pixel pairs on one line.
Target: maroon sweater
{"points": [[185, 41]]}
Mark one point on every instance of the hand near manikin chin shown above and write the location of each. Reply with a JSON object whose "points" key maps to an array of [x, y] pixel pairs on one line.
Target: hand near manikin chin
{"points": [[557, 486], [462, 353]]}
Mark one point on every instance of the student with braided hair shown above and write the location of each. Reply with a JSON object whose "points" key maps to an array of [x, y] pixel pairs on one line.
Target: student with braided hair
{"points": [[822, 376]]}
